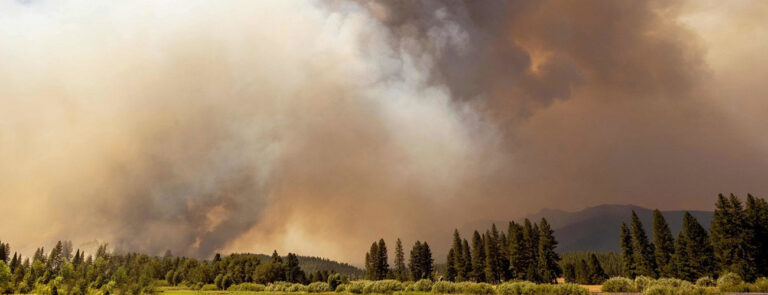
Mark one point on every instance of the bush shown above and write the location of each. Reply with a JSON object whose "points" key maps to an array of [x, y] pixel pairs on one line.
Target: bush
{"points": [[761, 285], [247, 287], [475, 288], [296, 287], [728, 280], [357, 287], [336, 279], [705, 282], [618, 284], [383, 287], [341, 288], [569, 289], [516, 288], [209, 287], [661, 290], [643, 282], [444, 288], [318, 287], [423, 285], [277, 287]]}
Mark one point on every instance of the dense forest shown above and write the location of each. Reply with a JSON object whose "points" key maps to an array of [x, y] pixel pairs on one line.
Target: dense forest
{"points": [[736, 243], [60, 270], [525, 252]]}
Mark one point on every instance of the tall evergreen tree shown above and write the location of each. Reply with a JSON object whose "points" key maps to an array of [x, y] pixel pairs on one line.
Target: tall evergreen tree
{"points": [[5, 252], [693, 256], [731, 236], [627, 253], [421, 263], [517, 255], [458, 257], [467, 259], [293, 272], [478, 258], [569, 273], [450, 266], [491, 258], [596, 273], [530, 251], [645, 263], [757, 221], [373, 265], [664, 245], [383, 258], [401, 273], [548, 262]]}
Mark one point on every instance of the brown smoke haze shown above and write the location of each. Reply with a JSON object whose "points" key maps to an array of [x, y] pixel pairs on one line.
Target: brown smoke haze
{"points": [[318, 126]]}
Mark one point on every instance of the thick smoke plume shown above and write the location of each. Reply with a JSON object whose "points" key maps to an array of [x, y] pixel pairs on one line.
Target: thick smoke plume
{"points": [[319, 126]]}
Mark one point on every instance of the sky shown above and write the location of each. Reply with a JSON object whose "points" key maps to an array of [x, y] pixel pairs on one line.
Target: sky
{"points": [[319, 126]]}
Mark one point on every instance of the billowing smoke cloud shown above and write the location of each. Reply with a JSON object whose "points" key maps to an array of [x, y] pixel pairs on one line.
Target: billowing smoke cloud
{"points": [[319, 126]]}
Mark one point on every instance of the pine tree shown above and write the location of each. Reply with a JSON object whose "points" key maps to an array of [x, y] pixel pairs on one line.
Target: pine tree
{"points": [[491, 258], [757, 221], [731, 238], [401, 273], [426, 261], [693, 256], [645, 263], [478, 258], [596, 273], [516, 250], [383, 264], [414, 262], [467, 259], [664, 245], [548, 262], [5, 252], [458, 257], [372, 266], [293, 272], [450, 267], [530, 253], [627, 254]]}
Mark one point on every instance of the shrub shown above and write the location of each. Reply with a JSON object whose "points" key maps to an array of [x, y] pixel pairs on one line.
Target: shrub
{"points": [[209, 287], [643, 282], [444, 287], [277, 287], [705, 282], [247, 287], [318, 287], [336, 279], [761, 285], [296, 287], [676, 283], [406, 285], [423, 285], [728, 280], [357, 287], [516, 288], [569, 289], [341, 288], [661, 290], [618, 284], [475, 288], [383, 287]]}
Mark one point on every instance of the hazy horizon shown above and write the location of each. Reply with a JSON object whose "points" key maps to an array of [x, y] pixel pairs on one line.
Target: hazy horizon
{"points": [[319, 126]]}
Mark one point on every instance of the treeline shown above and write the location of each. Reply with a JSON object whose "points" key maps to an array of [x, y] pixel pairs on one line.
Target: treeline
{"points": [[61, 271], [737, 243], [525, 252]]}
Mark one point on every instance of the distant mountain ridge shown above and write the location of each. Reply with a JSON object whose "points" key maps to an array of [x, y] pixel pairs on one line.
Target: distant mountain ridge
{"points": [[596, 228]]}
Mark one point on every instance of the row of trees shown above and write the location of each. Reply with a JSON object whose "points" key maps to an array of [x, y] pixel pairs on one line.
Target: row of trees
{"points": [[737, 242], [420, 262], [526, 252], [135, 273], [585, 272]]}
